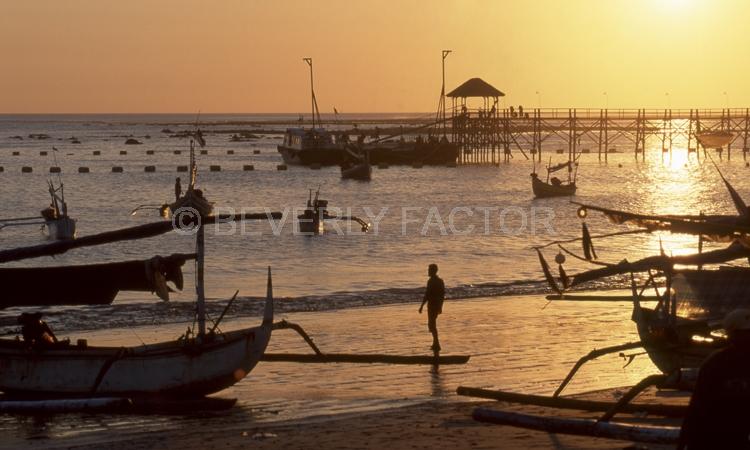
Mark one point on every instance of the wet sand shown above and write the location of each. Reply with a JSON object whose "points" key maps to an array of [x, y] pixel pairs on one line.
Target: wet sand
{"points": [[517, 343], [430, 425]]}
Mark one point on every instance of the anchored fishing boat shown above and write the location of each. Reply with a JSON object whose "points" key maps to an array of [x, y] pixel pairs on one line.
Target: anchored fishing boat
{"points": [[357, 167], [193, 197], [319, 146], [554, 187], [312, 219], [54, 218]]}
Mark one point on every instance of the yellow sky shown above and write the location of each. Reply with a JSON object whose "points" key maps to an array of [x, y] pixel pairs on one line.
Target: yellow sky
{"points": [[377, 56]]}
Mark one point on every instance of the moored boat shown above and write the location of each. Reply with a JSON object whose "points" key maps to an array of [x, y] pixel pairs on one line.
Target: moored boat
{"points": [[187, 367], [546, 190], [359, 171], [554, 187]]}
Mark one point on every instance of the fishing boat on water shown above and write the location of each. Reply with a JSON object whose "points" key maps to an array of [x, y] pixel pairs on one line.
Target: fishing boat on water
{"points": [[54, 218], [357, 167], [192, 201], [319, 146], [312, 220], [554, 187]]}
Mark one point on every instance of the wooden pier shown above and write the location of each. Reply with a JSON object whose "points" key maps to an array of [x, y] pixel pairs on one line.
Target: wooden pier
{"points": [[487, 135]]}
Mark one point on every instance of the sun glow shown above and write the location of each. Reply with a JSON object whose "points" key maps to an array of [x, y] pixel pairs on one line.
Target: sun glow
{"points": [[674, 5]]}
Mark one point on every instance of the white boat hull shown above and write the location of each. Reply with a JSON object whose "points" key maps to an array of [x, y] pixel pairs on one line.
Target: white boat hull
{"points": [[61, 229], [184, 368], [171, 368]]}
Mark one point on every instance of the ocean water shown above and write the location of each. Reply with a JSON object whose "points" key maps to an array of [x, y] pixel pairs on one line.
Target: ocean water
{"points": [[355, 291], [477, 223]]}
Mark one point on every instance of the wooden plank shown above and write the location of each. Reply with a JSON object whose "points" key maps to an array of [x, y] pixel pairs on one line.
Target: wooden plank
{"points": [[364, 358], [571, 403], [581, 427], [600, 298]]}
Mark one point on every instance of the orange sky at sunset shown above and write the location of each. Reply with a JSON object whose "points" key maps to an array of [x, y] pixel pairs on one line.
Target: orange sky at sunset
{"points": [[370, 56]]}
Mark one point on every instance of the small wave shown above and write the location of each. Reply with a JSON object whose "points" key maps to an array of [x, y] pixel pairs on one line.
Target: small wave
{"points": [[121, 315]]}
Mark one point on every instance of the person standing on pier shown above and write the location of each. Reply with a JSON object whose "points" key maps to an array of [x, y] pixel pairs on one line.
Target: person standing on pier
{"points": [[177, 189], [434, 295]]}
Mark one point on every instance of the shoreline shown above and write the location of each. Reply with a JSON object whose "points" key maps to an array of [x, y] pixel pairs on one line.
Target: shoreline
{"points": [[430, 424]]}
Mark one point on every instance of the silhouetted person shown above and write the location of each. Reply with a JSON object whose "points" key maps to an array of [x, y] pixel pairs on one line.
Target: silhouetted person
{"points": [[556, 181], [433, 296], [177, 189], [35, 330], [718, 416]]}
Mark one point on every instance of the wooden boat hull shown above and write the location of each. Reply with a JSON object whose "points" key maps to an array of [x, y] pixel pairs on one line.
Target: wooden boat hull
{"points": [[362, 172], [310, 226], [547, 190], [61, 229], [176, 368], [93, 284], [324, 156], [671, 347], [428, 154]]}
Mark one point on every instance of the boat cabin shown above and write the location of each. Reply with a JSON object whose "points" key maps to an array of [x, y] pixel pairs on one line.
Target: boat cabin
{"points": [[300, 138]]}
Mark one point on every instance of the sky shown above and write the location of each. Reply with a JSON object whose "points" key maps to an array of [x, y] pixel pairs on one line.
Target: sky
{"points": [[152, 56]]}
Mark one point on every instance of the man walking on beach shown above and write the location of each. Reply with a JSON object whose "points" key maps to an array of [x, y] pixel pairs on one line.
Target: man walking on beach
{"points": [[433, 296], [718, 415]]}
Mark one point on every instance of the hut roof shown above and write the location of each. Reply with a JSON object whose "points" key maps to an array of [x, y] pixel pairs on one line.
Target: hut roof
{"points": [[475, 87]]}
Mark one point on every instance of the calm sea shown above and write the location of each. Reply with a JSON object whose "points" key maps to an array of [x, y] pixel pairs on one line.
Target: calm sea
{"points": [[477, 223]]}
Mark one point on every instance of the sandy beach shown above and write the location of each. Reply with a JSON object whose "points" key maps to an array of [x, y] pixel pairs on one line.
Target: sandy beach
{"points": [[288, 405], [430, 425]]}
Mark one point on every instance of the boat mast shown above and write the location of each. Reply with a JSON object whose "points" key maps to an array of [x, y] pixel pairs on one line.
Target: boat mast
{"points": [[199, 288], [314, 102], [440, 117]]}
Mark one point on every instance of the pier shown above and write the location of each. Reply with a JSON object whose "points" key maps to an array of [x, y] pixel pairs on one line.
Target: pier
{"points": [[488, 135]]}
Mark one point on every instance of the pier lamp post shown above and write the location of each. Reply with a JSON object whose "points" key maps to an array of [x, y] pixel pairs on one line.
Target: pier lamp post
{"points": [[726, 99], [669, 100], [538, 99], [606, 100]]}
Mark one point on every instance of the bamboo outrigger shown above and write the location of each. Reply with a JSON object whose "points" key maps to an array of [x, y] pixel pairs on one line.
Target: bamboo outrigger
{"points": [[678, 333]]}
